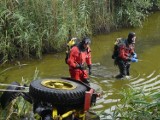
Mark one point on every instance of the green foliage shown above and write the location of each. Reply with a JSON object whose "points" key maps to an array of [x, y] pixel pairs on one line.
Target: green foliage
{"points": [[18, 108], [133, 12], [158, 3], [138, 105], [30, 28], [102, 15], [23, 107]]}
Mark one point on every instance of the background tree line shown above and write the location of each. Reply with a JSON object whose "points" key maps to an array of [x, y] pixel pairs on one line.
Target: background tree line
{"points": [[30, 28]]}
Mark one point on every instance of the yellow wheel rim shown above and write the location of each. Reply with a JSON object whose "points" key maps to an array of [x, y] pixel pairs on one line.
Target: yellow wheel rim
{"points": [[58, 84]]}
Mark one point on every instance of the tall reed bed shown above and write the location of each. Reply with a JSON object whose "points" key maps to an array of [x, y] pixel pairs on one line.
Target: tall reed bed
{"points": [[33, 27], [30, 28]]}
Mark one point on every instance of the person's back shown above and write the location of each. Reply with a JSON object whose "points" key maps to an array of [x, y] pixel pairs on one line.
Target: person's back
{"points": [[118, 43], [73, 42]]}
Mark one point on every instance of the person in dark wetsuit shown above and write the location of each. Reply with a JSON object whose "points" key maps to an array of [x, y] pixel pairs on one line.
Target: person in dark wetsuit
{"points": [[126, 56]]}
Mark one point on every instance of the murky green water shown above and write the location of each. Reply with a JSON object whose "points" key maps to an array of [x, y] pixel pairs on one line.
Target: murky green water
{"points": [[145, 73]]}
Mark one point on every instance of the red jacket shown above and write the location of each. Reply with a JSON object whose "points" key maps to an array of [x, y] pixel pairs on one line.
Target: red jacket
{"points": [[79, 57], [126, 51]]}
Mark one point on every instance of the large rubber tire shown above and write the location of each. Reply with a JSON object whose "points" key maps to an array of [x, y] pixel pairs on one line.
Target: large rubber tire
{"points": [[58, 97]]}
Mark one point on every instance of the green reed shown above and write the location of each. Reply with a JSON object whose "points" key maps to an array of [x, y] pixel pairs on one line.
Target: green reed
{"points": [[138, 105], [31, 28]]}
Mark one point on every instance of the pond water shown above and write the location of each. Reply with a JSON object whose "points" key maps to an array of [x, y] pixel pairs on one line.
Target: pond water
{"points": [[145, 73]]}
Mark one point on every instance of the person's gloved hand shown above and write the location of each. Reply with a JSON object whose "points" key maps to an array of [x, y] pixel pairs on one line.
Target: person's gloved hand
{"points": [[86, 81], [134, 59], [89, 69], [90, 72], [80, 66]]}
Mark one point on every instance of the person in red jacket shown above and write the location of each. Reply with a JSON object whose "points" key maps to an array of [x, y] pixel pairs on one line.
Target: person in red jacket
{"points": [[126, 55], [79, 59]]}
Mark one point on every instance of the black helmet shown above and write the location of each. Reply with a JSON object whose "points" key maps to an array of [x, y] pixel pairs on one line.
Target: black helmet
{"points": [[130, 36], [86, 40]]}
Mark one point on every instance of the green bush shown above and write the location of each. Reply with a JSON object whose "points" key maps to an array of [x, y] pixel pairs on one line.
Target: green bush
{"points": [[138, 105]]}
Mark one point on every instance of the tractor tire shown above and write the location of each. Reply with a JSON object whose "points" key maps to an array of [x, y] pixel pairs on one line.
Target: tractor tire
{"points": [[58, 92]]}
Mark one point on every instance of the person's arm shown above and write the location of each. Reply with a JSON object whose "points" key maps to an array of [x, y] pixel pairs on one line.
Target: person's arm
{"points": [[132, 51], [89, 61], [134, 57]]}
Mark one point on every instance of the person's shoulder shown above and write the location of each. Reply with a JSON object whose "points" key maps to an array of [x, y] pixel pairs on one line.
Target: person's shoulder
{"points": [[74, 48], [122, 44], [119, 40]]}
